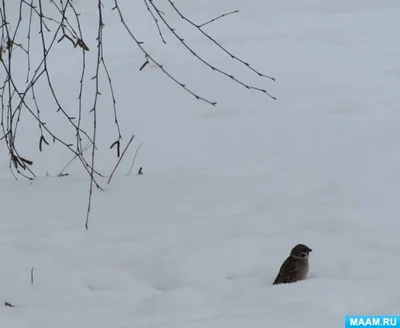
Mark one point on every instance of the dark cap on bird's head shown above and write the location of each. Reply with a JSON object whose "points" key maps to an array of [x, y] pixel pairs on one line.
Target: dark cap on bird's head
{"points": [[299, 249]]}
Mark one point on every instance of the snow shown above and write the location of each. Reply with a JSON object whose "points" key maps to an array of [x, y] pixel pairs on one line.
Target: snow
{"points": [[197, 240]]}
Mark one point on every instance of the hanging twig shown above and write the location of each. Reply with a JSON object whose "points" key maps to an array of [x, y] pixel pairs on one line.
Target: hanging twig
{"points": [[156, 21], [94, 108], [230, 54], [201, 59]]}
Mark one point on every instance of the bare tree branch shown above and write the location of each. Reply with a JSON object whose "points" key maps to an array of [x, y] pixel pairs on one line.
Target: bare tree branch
{"points": [[153, 60], [194, 53], [32, 27], [218, 44]]}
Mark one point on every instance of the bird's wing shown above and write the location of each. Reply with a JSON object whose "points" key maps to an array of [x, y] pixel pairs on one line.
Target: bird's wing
{"points": [[287, 272]]}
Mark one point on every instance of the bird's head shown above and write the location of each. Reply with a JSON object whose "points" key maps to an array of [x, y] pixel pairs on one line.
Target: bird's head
{"points": [[300, 251]]}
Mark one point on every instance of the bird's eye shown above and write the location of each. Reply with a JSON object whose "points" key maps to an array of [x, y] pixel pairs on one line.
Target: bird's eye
{"points": [[303, 254]]}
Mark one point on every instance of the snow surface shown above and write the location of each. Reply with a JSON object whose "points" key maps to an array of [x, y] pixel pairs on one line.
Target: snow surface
{"points": [[226, 192]]}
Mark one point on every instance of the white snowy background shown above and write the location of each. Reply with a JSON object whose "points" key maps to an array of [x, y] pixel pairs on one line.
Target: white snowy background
{"points": [[197, 241]]}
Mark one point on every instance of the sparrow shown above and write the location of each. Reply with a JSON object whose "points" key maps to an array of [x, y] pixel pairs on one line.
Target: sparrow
{"points": [[295, 267]]}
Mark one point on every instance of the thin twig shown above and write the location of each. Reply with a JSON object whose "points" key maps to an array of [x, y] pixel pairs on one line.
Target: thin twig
{"points": [[73, 158], [220, 16], [119, 160], [134, 158], [156, 22], [94, 108], [32, 276]]}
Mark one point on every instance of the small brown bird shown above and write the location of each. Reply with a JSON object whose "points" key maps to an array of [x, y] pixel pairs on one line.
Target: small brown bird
{"points": [[295, 267]]}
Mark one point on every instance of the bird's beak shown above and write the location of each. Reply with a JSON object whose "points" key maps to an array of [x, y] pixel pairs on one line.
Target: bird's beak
{"points": [[310, 250]]}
